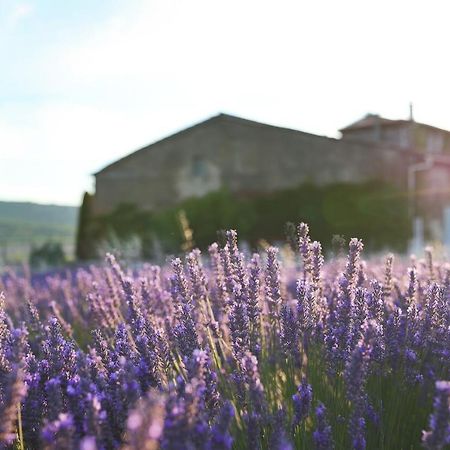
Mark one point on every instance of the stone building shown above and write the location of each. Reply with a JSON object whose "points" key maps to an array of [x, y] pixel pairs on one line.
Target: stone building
{"points": [[406, 134], [428, 173], [248, 157]]}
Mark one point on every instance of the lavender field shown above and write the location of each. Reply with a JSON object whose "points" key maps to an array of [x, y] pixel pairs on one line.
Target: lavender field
{"points": [[224, 350]]}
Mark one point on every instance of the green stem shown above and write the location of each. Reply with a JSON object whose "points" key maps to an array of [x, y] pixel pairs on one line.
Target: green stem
{"points": [[19, 421]]}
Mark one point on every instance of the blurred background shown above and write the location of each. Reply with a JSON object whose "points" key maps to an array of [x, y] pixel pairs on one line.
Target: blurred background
{"points": [[149, 126]]}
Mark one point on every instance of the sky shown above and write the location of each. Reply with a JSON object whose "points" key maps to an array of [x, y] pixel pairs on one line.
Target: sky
{"points": [[85, 82]]}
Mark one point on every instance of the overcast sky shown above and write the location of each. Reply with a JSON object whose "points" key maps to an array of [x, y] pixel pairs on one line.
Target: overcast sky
{"points": [[84, 82]]}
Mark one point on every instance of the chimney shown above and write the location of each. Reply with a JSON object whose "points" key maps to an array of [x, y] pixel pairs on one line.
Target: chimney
{"points": [[411, 115]]}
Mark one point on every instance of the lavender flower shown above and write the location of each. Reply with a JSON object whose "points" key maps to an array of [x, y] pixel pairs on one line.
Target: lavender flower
{"points": [[316, 262], [253, 306], [145, 423], [185, 416], [273, 292], [59, 433], [353, 261], [439, 435], [289, 334], [305, 307], [197, 276], [279, 439], [339, 333], [255, 389], [254, 422], [302, 402], [220, 435], [59, 353], [323, 439], [185, 331], [239, 323], [393, 336], [228, 270], [410, 297], [237, 262], [375, 302], [200, 356], [13, 392], [358, 316], [387, 287], [304, 246], [199, 368], [218, 290], [355, 376]]}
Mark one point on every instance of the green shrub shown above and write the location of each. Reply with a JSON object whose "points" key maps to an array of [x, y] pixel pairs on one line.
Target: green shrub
{"points": [[373, 211], [49, 254]]}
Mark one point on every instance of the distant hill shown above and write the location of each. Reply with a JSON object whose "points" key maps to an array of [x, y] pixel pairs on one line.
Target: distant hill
{"points": [[24, 224]]}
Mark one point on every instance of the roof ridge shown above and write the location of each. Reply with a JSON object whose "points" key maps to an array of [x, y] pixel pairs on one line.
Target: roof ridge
{"points": [[170, 136], [219, 116], [371, 120]]}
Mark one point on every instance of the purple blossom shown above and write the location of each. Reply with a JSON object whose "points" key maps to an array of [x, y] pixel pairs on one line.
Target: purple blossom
{"points": [[59, 433], [323, 439], [302, 400], [254, 422], [316, 262], [305, 307], [353, 261], [239, 323], [439, 435], [199, 368], [304, 246], [185, 331], [13, 391], [355, 376], [237, 262], [289, 334], [253, 304], [218, 290], [205, 354], [145, 423], [273, 292], [197, 276], [220, 434], [387, 287], [279, 439], [255, 389]]}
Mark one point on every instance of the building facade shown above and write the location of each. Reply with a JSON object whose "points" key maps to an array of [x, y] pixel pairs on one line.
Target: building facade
{"points": [[248, 157]]}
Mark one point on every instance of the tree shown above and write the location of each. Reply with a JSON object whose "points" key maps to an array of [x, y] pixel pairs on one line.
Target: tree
{"points": [[85, 245]]}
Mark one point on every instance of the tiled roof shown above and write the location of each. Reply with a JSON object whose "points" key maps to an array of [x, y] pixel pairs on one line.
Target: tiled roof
{"points": [[372, 120]]}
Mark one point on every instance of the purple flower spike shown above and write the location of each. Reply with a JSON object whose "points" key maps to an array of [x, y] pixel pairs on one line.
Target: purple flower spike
{"points": [[323, 439], [220, 436], [302, 402], [279, 439], [273, 293], [439, 435], [59, 433], [12, 392]]}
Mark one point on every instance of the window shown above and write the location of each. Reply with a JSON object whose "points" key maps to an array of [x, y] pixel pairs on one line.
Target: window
{"points": [[198, 167], [435, 142], [404, 140]]}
